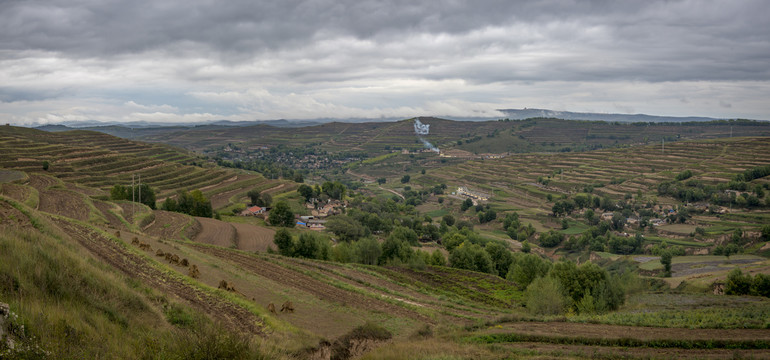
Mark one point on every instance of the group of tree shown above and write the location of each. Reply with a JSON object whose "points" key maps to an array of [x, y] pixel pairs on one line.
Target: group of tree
{"points": [[395, 250], [259, 199], [330, 190], [120, 192], [191, 203], [281, 215], [739, 283], [583, 289]]}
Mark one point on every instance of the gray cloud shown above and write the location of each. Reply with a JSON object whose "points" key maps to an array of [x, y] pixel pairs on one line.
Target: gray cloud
{"points": [[389, 55]]}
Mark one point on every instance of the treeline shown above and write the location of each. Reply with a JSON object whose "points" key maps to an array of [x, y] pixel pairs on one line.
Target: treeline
{"points": [[393, 251], [192, 203], [328, 190], [694, 190], [120, 192], [739, 283]]}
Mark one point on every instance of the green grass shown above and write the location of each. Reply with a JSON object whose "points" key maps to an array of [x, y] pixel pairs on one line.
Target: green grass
{"points": [[437, 213], [658, 239]]}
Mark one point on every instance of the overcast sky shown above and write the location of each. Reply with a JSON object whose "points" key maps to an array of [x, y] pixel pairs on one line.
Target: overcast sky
{"points": [[199, 60]]}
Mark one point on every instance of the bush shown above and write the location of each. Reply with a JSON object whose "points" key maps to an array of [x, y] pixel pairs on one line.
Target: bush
{"points": [[738, 283]]}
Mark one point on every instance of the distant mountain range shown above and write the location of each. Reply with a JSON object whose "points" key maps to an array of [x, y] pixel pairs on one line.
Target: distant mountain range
{"points": [[137, 129], [519, 114]]}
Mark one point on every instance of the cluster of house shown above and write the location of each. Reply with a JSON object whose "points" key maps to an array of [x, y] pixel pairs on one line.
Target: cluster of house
{"points": [[473, 195], [318, 212]]}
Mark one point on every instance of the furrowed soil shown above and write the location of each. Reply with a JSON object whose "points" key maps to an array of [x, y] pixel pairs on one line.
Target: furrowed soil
{"points": [[171, 225], [19, 193], [215, 232], [137, 266], [253, 238], [64, 203], [268, 268]]}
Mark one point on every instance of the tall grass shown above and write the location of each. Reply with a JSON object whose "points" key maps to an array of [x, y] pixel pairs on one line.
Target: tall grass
{"points": [[75, 307]]}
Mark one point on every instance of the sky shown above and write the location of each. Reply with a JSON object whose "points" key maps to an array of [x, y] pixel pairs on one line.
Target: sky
{"points": [[203, 60]]}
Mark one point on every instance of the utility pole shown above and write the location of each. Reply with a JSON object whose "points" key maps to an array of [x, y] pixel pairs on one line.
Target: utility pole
{"points": [[663, 145], [140, 188], [133, 209]]}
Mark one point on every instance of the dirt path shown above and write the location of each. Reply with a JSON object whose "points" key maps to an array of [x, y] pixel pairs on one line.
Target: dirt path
{"points": [[135, 266], [310, 285], [215, 232], [393, 191]]}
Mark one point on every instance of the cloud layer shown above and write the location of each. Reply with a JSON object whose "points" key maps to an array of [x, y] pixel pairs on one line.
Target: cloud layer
{"points": [[198, 60]]}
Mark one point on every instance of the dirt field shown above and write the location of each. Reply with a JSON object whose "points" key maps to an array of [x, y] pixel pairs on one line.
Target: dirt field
{"points": [[107, 209], [253, 238], [64, 203], [12, 218], [19, 193], [215, 232], [169, 225]]}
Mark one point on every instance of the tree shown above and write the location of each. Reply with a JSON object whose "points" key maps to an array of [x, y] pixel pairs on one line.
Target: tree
{"points": [[284, 241], [346, 228], [665, 259], [405, 179], [307, 246], [466, 204], [437, 258], [738, 283], [305, 191], [551, 238], [525, 268], [545, 296], [381, 180], [526, 247], [45, 165], [449, 220], [367, 251], [281, 215], [254, 195], [500, 255]]}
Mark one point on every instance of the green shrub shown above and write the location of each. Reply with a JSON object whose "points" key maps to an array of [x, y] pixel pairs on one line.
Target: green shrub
{"points": [[546, 296]]}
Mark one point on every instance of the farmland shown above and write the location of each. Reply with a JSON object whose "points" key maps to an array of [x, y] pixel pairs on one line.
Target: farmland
{"points": [[137, 262]]}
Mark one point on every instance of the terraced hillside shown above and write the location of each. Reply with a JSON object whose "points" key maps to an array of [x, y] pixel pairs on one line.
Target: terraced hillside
{"points": [[473, 136], [99, 161], [613, 172]]}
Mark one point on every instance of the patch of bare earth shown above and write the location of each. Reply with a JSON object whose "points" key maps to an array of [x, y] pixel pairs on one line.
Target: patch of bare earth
{"points": [[64, 203], [40, 182], [11, 218], [253, 238], [169, 225], [109, 210], [17, 192], [136, 266], [215, 232]]}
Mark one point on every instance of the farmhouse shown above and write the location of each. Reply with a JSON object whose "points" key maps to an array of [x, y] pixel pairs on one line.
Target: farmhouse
{"points": [[607, 216], [253, 211], [657, 222]]}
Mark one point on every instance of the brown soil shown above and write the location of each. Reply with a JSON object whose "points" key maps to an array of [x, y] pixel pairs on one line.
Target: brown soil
{"points": [[41, 182], [169, 225], [567, 329], [19, 193], [137, 266], [322, 290], [12, 218], [215, 232], [64, 203], [253, 238], [221, 200], [113, 221]]}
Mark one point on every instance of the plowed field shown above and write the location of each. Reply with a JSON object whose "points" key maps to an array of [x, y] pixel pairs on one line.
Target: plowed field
{"points": [[253, 238], [215, 232]]}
